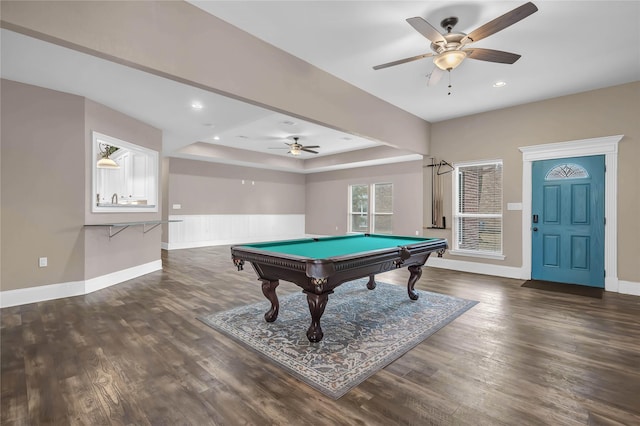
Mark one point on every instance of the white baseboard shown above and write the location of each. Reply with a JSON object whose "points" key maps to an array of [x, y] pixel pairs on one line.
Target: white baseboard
{"points": [[623, 287], [43, 293], [23, 296], [104, 281], [476, 267], [629, 287]]}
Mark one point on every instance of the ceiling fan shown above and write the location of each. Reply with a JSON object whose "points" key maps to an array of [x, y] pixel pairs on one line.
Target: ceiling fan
{"points": [[296, 149], [449, 49]]}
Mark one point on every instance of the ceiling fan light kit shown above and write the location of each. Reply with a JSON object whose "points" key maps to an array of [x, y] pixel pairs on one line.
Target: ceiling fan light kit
{"points": [[450, 59], [296, 149]]}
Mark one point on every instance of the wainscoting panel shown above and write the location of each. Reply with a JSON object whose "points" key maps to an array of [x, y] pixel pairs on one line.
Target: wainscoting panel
{"points": [[213, 230]]}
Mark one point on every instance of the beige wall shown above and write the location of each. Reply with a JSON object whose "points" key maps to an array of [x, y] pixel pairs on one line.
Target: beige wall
{"points": [[132, 247], [159, 37], [42, 186], [328, 197], [202, 187], [499, 134], [46, 188]]}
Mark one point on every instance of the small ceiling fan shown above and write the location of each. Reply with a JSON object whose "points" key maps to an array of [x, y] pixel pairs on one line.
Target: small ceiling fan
{"points": [[296, 149], [449, 49]]}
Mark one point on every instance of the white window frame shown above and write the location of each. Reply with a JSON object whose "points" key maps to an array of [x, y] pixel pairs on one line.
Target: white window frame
{"points": [[456, 213], [371, 213]]}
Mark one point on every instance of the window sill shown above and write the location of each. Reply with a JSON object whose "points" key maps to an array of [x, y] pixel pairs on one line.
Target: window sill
{"points": [[480, 254]]}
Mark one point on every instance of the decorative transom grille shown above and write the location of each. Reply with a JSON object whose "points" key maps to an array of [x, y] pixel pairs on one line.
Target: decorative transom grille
{"points": [[567, 171]]}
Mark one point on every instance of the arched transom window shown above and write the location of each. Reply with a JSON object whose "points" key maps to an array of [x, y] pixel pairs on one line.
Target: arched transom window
{"points": [[567, 171]]}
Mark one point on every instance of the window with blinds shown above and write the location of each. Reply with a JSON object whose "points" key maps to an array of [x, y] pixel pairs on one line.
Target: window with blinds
{"points": [[478, 208]]}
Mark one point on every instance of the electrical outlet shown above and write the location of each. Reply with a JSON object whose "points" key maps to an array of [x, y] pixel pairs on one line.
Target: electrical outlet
{"points": [[417, 232], [177, 206], [42, 262]]}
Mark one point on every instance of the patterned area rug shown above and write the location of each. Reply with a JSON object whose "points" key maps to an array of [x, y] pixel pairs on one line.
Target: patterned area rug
{"points": [[364, 330]]}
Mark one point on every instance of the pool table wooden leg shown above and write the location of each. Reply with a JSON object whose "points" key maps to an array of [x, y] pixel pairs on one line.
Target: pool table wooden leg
{"points": [[317, 303], [416, 273], [269, 291], [372, 282]]}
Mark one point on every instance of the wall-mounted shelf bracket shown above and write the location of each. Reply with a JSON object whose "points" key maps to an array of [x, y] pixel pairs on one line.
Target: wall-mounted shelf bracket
{"points": [[147, 226]]}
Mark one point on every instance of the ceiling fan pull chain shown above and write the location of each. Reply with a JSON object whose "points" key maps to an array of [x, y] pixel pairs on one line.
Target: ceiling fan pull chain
{"points": [[449, 72]]}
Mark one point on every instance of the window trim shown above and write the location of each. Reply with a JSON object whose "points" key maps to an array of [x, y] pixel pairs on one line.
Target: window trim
{"points": [[455, 250]]}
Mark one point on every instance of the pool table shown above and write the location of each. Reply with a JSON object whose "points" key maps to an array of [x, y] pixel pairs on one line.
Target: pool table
{"points": [[319, 265]]}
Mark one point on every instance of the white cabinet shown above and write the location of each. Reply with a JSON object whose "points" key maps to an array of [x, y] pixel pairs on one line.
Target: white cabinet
{"points": [[138, 187], [132, 180]]}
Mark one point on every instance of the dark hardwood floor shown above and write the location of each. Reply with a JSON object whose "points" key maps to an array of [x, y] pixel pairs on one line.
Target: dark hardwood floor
{"points": [[136, 354]]}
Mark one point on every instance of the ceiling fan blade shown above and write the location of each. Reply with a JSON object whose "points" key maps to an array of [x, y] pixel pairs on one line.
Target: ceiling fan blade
{"points": [[309, 150], [426, 29], [311, 146], [491, 55], [502, 22], [402, 61], [435, 76]]}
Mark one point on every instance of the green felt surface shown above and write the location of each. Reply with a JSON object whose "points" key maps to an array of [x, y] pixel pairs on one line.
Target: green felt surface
{"points": [[336, 246]]}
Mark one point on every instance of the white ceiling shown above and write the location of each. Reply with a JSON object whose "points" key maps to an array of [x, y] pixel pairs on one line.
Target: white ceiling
{"points": [[566, 47], [166, 104]]}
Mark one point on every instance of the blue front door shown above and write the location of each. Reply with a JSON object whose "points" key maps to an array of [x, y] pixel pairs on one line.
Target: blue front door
{"points": [[567, 221]]}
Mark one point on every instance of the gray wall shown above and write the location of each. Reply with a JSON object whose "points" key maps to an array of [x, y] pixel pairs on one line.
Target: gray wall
{"points": [[131, 247], [43, 170], [499, 134], [328, 197], [209, 188]]}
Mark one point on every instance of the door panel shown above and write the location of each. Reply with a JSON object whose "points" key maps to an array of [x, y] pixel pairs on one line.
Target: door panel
{"points": [[580, 252], [551, 252], [580, 204], [551, 204], [568, 238]]}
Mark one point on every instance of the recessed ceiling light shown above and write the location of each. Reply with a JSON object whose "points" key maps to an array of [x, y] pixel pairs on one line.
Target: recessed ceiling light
{"points": [[197, 106], [499, 84], [216, 138]]}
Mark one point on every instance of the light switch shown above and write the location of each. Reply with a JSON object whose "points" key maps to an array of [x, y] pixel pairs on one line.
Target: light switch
{"points": [[42, 262], [514, 206], [177, 206]]}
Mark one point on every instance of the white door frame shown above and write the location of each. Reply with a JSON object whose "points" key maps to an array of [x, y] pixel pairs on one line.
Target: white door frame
{"points": [[607, 146]]}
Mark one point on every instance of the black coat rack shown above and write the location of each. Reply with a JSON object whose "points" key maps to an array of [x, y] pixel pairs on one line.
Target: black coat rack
{"points": [[437, 169]]}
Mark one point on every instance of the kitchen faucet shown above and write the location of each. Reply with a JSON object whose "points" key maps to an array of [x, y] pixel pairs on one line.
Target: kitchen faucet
{"points": [[114, 197]]}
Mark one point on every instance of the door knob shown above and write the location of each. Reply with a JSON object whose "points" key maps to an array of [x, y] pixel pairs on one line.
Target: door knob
{"points": [[535, 229]]}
